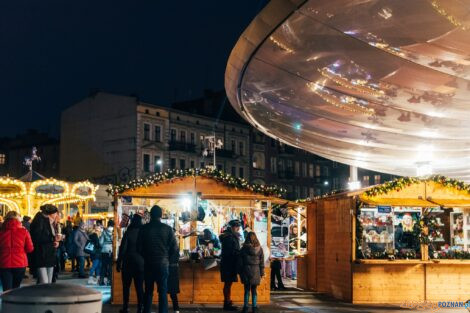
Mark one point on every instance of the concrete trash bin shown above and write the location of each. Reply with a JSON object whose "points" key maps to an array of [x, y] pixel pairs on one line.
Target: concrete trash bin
{"points": [[52, 298]]}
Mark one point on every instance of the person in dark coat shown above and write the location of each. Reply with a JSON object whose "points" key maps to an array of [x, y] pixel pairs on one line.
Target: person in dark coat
{"points": [[80, 239], [276, 274], [45, 242], [174, 281], [131, 264], [228, 263], [251, 268], [95, 270], [157, 244]]}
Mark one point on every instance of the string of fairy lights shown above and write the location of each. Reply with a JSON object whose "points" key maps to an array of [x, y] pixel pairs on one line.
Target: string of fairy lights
{"points": [[220, 176]]}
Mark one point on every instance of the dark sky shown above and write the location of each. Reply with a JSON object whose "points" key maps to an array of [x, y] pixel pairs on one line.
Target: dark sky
{"points": [[53, 52]]}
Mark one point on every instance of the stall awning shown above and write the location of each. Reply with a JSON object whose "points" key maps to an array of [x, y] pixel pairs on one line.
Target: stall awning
{"points": [[399, 202], [451, 203]]}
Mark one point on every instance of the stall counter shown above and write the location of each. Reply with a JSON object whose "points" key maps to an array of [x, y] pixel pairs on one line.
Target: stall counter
{"points": [[198, 286]]}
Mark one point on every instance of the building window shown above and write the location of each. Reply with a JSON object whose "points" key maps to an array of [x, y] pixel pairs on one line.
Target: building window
{"points": [[318, 192], [311, 170], [311, 192], [297, 192], [233, 146], [304, 192], [192, 163], [326, 171], [273, 165], [219, 167], [297, 168], [241, 172], [182, 136], [258, 160], [193, 139], [172, 163], [376, 179], [317, 171], [157, 164], [304, 169], [273, 143], [289, 167], [182, 164], [173, 135], [146, 162], [158, 133], [241, 148], [146, 131], [3, 159], [147, 111], [234, 171], [157, 113], [365, 181]]}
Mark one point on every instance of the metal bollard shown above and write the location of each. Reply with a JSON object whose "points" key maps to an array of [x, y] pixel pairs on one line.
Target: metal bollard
{"points": [[52, 298]]}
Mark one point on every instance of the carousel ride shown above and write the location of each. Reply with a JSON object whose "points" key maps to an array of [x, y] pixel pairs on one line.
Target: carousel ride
{"points": [[26, 194]]}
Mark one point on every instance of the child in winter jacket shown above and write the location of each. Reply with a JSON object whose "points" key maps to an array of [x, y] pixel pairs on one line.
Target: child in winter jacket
{"points": [[251, 268]]}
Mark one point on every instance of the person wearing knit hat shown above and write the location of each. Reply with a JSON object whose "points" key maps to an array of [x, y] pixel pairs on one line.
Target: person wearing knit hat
{"points": [[45, 242]]}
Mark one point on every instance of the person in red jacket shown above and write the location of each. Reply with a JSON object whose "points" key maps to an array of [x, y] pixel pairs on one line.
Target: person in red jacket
{"points": [[15, 244]]}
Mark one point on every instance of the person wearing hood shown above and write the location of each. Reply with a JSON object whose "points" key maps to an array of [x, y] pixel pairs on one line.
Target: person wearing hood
{"points": [[80, 239], [15, 244], [131, 264], [251, 269], [228, 263], [45, 241], [106, 243]]}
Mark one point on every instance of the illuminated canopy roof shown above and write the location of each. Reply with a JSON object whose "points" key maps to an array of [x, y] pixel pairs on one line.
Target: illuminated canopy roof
{"points": [[379, 84]]}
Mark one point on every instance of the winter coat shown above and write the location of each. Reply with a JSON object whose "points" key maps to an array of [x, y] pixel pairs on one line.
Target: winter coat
{"points": [[229, 256], [15, 244], [96, 241], [106, 241], [251, 265], [156, 243], [128, 256], [80, 239], [44, 254], [69, 245], [174, 274]]}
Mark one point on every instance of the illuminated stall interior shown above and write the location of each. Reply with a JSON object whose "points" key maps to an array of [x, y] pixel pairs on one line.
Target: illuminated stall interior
{"points": [[199, 200], [391, 243], [27, 194]]}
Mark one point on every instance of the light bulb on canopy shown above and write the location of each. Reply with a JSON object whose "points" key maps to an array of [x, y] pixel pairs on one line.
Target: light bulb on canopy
{"points": [[355, 88]]}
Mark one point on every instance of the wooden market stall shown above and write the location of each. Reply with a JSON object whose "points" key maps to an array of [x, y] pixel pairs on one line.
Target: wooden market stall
{"points": [[184, 196], [397, 242]]}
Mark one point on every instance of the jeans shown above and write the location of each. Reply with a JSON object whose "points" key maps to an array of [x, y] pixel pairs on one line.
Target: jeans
{"points": [[254, 295], [11, 277], [81, 265], [45, 275], [96, 268], [293, 269], [106, 267], [128, 274], [156, 273], [174, 300]]}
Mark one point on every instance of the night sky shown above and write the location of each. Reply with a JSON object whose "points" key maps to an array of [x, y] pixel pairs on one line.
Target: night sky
{"points": [[52, 53]]}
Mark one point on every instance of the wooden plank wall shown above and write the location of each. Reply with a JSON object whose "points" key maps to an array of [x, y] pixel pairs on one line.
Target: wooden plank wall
{"points": [[388, 283], [448, 282], [198, 286]]}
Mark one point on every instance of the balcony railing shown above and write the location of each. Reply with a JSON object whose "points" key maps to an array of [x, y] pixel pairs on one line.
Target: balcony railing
{"points": [[182, 146]]}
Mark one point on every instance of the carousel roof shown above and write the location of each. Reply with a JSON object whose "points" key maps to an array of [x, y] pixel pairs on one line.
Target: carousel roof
{"points": [[383, 85], [31, 176]]}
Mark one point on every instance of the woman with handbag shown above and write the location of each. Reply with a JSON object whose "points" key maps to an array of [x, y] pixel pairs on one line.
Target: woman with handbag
{"points": [[93, 248]]}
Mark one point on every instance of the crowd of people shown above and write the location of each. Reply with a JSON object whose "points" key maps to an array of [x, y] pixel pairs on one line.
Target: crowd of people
{"points": [[148, 255], [45, 245]]}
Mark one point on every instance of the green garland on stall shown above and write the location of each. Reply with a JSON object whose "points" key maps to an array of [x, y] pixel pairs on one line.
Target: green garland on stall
{"points": [[227, 179], [403, 182]]}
